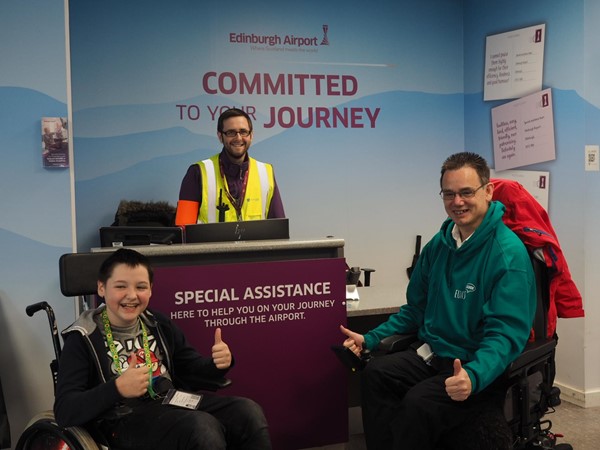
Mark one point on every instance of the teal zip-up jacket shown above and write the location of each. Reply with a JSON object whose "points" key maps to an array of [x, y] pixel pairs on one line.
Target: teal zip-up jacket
{"points": [[475, 303]]}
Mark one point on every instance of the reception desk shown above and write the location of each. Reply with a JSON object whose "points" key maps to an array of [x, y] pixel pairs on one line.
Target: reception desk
{"points": [[279, 305]]}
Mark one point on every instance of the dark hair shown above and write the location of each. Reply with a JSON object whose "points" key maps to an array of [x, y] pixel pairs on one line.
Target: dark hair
{"points": [[232, 112], [126, 256], [468, 159]]}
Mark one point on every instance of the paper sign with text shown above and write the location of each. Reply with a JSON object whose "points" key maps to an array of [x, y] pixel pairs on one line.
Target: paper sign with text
{"points": [[514, 63], [55, 142], [523, 131]]}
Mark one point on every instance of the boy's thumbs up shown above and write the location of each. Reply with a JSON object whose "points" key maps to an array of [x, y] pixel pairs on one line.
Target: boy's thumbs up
{"points": [[220, 352], [132, 360]]}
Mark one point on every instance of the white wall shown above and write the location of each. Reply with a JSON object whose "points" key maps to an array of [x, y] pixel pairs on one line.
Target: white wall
{"points": [[35, 227], [591, 242], [35, 224], [570, 66]]}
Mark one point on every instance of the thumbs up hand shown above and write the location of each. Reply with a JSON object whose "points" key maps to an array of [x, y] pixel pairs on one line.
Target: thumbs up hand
{"points": [[457, 367], [134, 381], [220, 352], [458, 386], [354, 341]]}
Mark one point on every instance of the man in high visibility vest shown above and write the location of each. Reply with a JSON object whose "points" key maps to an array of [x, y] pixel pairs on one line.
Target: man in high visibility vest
{"points": [[229, 186]]}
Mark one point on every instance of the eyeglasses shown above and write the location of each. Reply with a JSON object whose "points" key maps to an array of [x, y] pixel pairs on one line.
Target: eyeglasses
{"points": [[463, 193], [234, 133]]}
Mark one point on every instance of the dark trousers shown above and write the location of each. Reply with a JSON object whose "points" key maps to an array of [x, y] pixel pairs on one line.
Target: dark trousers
{"points": [[405, 405], [219, 423]]}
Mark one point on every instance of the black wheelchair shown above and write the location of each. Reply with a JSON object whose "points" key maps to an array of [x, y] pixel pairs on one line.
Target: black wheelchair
{"points": [[530, 394], [78, 273]]}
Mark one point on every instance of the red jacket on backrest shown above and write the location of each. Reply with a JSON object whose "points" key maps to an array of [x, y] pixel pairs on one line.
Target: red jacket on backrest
{"points": [[529, 220]]}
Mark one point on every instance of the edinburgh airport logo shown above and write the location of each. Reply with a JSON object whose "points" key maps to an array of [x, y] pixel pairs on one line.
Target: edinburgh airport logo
{"points": [[288, 41]]}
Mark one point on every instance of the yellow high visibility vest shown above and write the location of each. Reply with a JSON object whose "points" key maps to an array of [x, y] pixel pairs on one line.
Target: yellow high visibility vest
{"points": [[259, 191]]}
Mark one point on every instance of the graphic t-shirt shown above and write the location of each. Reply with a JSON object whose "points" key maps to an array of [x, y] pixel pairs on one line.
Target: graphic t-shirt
{"points": [[130, 340]]}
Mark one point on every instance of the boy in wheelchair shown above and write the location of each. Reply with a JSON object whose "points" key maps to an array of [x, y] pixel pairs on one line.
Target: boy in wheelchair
{"points": [[471, 300], [131, 374]]}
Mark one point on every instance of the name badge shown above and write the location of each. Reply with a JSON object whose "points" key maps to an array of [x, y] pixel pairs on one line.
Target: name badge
{"points": [[182, 399]]}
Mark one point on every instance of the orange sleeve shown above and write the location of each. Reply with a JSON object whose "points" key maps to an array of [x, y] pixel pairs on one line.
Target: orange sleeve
{"points": [[187, 212]]}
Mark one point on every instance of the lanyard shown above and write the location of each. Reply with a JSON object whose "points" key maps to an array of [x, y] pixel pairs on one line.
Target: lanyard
{"points": [[237, 204], [115, 355]]}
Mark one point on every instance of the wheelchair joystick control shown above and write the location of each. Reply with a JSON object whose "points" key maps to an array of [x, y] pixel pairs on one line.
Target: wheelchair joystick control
{"points": [[368, 276], [365, 356]]}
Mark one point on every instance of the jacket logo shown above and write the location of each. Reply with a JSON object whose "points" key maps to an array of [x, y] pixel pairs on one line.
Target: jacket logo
{"points": [[462, 295]]}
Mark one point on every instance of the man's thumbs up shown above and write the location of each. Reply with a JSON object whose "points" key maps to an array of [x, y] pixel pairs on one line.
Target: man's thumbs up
{"points": [[220, 352], [458, 386], [457, 367]]}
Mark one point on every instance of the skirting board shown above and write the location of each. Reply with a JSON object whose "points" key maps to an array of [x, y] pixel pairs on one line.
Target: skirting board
{"points": [[577, 397]]}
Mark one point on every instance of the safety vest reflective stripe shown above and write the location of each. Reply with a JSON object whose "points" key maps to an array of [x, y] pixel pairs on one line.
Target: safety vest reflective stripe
{"points": [[211, 193], [264, 186]]}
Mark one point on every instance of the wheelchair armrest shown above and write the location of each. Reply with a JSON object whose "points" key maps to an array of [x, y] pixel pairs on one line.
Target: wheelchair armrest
{"points": [[116, 413], [348, 358], [534, 353], [162, 384], [214, 384], [205, 384], [397, 342], [390, 344]]}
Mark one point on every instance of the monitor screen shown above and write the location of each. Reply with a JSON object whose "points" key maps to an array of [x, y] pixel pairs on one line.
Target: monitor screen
{"points": [[247, 230], [126, 236]]}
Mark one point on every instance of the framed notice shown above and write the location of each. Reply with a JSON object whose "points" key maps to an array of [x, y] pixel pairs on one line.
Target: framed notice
{"points": [[514, 63], [55, 142], [523, 131]]}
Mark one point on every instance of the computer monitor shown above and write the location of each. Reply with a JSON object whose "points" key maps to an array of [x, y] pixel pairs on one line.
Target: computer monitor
{"points": [[136, 235], [246, 230]]}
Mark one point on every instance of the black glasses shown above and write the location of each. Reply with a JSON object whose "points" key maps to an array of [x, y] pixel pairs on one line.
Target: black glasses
{"points": [[234, 133], [463, 193]]}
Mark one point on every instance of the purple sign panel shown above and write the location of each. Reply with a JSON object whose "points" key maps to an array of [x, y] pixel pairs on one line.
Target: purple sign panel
{"points": [[279, 320]]}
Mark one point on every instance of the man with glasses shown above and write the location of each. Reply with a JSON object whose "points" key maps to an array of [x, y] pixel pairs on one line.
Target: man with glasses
{"points": [[229, 186], [471, 299]]}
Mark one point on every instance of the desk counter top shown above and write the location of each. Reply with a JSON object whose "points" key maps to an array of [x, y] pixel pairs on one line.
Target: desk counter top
{"points": [[232, 247], [374, 300]]}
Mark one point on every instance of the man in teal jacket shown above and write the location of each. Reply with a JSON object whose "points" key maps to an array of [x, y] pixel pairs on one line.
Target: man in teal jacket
{"points": [[471, 299]]}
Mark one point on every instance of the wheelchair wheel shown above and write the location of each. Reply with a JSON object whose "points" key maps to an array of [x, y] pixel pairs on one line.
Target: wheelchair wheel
{"points": [[43, 433]]}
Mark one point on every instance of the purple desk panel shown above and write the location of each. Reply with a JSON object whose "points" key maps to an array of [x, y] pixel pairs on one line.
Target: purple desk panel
{"points": [[279, 319]]}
